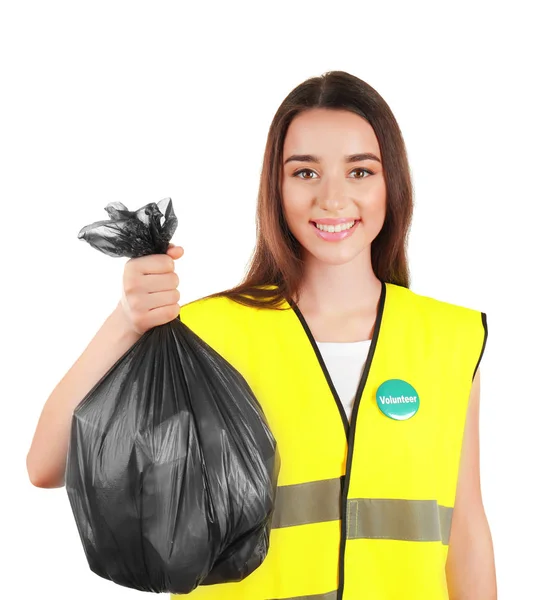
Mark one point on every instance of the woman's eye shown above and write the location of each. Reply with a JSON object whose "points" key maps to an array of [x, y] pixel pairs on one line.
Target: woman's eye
{"points": [[364, 170], [298, 173]]}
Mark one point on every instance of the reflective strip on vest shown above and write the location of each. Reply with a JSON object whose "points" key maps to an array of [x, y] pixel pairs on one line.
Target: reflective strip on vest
{"points": [[391, 519], [304, 503], [378, 518]]}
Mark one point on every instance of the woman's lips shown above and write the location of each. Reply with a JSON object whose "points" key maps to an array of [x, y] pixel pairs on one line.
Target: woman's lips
{"points": [[335, 236]]}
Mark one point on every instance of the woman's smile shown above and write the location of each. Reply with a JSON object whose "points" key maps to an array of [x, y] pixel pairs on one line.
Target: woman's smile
{"points": [[334, 232]]}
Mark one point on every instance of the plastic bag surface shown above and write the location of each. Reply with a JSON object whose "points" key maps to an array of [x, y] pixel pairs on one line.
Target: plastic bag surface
{"points": [[172, 469]]}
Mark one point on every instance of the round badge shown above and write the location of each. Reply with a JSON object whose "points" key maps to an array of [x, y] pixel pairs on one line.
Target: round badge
{"points": [[397, 399]]}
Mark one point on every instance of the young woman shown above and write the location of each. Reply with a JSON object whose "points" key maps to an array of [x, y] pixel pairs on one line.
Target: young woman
{"points": [[371, 391]]}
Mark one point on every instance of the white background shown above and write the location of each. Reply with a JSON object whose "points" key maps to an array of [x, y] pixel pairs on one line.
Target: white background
{"points": [[136, 101]]}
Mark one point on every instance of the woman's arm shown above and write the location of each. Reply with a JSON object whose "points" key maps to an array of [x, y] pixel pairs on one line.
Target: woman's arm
{"points": [[46, 459], [470, 568]]}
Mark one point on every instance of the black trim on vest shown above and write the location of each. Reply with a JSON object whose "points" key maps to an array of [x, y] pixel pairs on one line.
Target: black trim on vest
{"points": [[350, 429], [485, 325], [323, 367]]}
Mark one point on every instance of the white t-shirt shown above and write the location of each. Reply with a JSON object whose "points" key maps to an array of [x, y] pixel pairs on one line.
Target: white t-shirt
{"points": [[345, 363]]}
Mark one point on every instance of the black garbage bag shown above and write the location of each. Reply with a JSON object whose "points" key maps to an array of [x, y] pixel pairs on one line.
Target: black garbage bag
{"points": [[172, 470]]}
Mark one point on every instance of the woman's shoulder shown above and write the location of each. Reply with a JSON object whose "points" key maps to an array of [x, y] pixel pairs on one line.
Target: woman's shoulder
{"points": [[429, 301], [461, 327], [221, 321], [245, 302], [219, 309], [435, 309], [215, 306]]}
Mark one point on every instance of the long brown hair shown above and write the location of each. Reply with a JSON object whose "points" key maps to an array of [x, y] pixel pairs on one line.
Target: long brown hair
{"points": [[276, 261]]}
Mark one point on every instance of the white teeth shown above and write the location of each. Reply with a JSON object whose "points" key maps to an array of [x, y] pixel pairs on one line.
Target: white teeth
{"points": [[335, 228]]}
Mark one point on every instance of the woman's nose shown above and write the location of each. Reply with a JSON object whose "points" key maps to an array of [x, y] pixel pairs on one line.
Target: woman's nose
{"points": [[331, 196]]}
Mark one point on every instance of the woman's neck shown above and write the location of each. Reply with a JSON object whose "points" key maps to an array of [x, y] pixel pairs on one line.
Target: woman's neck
{"points": [[337, 290]]}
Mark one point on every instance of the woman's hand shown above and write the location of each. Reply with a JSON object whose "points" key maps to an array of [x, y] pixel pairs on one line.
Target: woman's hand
{"points": [[150, 296]]}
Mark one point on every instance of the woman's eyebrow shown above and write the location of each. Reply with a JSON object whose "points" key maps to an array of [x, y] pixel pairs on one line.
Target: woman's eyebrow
{"points": [[315, 159]]}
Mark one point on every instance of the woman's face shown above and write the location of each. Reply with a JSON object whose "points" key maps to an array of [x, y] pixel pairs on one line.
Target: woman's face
{"points": [[324, 179]]}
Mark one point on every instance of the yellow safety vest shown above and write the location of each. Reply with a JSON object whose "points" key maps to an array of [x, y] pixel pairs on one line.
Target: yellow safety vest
{"points": [[363, 510]]}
